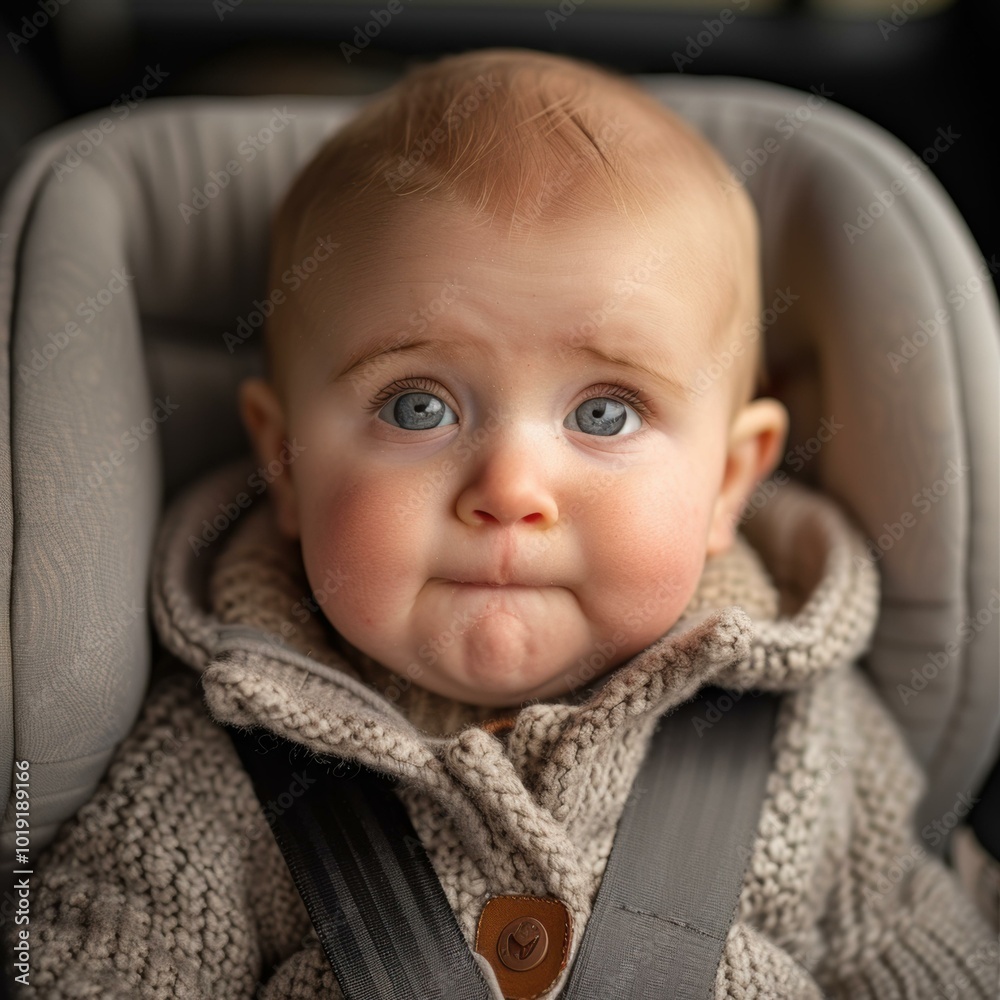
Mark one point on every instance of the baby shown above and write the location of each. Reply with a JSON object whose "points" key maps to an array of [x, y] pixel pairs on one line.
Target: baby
{"points": [[505, 547], [493, 383]]}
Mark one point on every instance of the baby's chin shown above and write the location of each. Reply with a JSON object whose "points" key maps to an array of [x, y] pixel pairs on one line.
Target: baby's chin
{"points": [[505, 647], [499, 663], [502, 691]]}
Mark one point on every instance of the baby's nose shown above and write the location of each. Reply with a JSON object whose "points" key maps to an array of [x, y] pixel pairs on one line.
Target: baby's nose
{"points": [[510, 487], [507, 507]]}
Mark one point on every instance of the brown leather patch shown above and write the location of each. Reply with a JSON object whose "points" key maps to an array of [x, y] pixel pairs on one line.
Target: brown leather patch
{"points": [[526, 939], [500, 726]]}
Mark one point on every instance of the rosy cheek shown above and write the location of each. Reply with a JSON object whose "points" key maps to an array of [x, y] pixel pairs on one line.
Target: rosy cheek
{"points": [[357, 528], [657, 560]]}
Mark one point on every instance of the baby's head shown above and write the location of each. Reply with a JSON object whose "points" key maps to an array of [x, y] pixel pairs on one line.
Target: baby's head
{"points": [[510, 458]]}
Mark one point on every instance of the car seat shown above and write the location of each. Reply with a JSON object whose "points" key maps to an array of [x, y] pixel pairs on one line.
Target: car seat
{"points": [[132, 286]]}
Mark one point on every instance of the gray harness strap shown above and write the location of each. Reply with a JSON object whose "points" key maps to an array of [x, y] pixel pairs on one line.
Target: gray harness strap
{"points": [[662, 912], [673, 880]]}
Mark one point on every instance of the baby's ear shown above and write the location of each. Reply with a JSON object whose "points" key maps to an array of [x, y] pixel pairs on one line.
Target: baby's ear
{"points": [[756, 438], [264, 418]]}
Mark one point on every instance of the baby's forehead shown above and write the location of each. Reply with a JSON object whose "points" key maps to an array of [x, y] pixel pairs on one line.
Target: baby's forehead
{"points": [[687, 242], [430, 261], [690, 236]]}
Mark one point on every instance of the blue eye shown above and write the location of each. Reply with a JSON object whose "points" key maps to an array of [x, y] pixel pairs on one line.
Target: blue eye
{"points": [[418, 411], [604, 416]]}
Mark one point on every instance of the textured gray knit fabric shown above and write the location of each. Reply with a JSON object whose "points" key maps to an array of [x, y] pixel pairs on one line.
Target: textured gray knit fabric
{"points": [[169, 884]]}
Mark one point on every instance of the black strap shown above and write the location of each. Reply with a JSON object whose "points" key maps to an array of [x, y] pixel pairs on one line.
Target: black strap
{"points": [[672, 882], [666, 901], [379, 910]]}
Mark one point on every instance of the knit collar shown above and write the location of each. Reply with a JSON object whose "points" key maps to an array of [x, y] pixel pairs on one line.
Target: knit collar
{"points": [[230, 597]]}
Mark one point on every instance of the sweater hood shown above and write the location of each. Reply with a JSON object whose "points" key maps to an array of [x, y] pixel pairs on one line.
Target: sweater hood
{"points": [[794, 599]]}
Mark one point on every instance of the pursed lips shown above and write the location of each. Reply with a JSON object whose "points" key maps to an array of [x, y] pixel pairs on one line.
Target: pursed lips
{"points": [[486, 583]]}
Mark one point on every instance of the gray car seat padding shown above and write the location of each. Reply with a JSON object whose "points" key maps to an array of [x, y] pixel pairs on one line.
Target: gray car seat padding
{"points": [[149, 379]]}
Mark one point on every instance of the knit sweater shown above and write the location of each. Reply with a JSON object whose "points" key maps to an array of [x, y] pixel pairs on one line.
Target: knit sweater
{"points": [[169, 884]]}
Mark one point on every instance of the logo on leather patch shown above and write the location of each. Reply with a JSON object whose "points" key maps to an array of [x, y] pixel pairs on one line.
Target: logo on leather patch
{"points": [[526, 941], [523, 944]]}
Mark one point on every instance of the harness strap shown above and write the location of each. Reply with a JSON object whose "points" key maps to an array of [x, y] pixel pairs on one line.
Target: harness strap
{"points": [[666, 901], [380, 913], [672, 882]]}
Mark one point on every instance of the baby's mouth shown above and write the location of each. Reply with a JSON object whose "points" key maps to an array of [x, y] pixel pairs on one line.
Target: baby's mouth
{"points": [[485, 581]]}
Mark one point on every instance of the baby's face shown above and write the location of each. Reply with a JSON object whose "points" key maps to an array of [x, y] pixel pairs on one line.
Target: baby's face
{"points": [[510, 504]]}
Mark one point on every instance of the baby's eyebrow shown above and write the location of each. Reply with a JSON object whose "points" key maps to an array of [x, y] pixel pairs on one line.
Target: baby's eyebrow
{"points": [[638, 364], [365, 356]]}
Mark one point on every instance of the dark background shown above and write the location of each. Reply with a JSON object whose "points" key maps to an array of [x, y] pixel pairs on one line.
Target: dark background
{"points": [[937, 70]]}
